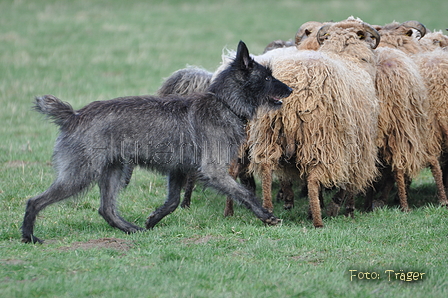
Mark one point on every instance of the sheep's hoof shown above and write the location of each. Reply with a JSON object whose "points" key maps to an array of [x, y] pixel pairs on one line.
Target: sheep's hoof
{"points": [[333, 209], [377, 204], [288, 206], [350, 212], [228, 212]]}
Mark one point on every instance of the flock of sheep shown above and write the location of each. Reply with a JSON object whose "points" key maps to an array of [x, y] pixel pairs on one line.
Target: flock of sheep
{"points": [[369, 109]]}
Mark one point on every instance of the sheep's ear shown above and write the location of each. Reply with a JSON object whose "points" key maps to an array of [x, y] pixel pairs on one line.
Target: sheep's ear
{"points": [[242, 56]]}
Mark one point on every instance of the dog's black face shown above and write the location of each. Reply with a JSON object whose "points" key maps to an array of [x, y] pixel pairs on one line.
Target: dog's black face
{"points": [[263, 88], [272, 91], [247, 85]]}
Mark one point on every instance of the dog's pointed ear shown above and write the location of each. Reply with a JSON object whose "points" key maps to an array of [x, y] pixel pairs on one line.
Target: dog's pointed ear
{"points": [[242, 56]]}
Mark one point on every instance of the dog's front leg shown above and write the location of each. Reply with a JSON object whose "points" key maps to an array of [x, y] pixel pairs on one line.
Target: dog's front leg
{"points": [[219, 179]]}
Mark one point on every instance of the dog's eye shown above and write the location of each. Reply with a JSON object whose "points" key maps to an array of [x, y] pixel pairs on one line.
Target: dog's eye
{"points": [[268, 79]]}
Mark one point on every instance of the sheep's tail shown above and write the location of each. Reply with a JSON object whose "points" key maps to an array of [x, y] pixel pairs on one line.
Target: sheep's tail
{"points": [[55, 109]]}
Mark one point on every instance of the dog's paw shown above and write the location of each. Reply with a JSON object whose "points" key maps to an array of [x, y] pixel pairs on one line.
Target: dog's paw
{"points": [[134, 229], [31, 239], [273, 221], [151, 221]]}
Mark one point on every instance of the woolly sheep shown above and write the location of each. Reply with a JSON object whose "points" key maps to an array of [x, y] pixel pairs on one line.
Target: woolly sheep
{"points": [[306, 36], [433, 66], [434, 40], [325, 132], [433, 75]]}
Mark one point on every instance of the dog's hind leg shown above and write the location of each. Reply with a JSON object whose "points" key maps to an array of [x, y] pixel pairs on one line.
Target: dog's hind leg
{"points": [[128, 169], [58, 191], [112, 180], [176, 180]]}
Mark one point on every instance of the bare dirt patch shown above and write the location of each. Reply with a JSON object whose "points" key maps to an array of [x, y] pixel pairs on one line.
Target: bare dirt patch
{"points": [[114, 243]]}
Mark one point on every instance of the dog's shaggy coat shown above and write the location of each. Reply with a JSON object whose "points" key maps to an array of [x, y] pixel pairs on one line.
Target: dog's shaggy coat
{"points": [[173, 135]]}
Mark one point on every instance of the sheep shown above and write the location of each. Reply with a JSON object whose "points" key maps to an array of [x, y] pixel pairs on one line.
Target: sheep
{"points": [[305, 38], [401, 36], [276, 44], [434, 40], [408, 138], [185, 81], [434, 69], [325, 132]]}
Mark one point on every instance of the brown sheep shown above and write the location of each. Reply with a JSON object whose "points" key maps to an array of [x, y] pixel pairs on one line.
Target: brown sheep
{"points": [[401, 36], [306, 36], [434, 69], [431, 74], [325, 132]]}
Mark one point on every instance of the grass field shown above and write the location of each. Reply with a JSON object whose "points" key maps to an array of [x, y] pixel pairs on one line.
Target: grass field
{"points": [[87, 50]]}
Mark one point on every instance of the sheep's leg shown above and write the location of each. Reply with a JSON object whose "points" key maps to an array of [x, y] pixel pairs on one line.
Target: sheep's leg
{"points": [[401, 185], [444, 166], [386, 183], [444, 128], [233, 171], [286, 194], [228, 210], [368, 200], [266, 177], [313, 195], [438, 178], [350, 205], [336, 202]]}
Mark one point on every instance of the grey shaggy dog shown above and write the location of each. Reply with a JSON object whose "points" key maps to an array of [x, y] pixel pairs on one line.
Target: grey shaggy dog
{"points": [[174, 135]]}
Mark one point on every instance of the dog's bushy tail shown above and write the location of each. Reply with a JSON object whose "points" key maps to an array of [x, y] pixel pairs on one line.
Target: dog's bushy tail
{"points": [[54, 108]]}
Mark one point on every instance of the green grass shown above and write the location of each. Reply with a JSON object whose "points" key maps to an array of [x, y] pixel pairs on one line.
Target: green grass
{"points": [[88, 50]]}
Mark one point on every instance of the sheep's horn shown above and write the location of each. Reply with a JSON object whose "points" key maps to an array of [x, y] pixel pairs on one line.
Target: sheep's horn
{"points": [[321, 33], [368, 28], [305, 30], [417, 26]]}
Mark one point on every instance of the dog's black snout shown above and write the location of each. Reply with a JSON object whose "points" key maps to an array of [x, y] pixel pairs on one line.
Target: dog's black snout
{"points": [[288, 91]]}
